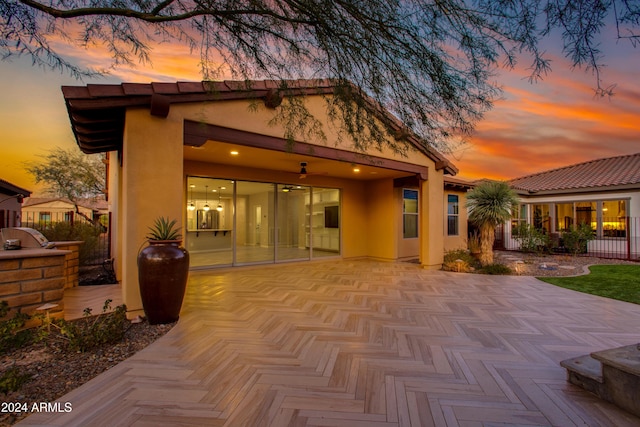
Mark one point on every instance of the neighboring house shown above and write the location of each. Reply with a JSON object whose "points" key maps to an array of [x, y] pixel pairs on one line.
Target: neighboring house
{"points": [[209, 156], [603, 193], [41, 210], [11, 198]]}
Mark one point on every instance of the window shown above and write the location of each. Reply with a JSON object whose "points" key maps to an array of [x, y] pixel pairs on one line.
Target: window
{"points": [[45, 217], [541, 218], [452, 215], [564, 216], [519, 216], [614, 215], [586, 214], [409, 214]]}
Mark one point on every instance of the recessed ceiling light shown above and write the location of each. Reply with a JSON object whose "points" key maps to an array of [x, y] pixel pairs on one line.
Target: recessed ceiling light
{"points": [[356, 169], [234, 153]]}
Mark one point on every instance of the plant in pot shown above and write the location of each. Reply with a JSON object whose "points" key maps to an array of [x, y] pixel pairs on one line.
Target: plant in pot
{"points": [[163, 269]]}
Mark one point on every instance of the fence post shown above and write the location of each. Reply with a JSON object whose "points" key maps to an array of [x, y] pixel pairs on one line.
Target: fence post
{"points": [[628, 234]]}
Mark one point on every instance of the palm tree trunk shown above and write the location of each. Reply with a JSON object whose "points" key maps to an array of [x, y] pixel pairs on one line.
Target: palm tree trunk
{"points": [[487, 237]]}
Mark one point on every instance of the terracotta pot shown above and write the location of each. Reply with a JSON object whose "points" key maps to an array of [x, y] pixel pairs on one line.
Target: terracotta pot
{"points": [[163, 269]]}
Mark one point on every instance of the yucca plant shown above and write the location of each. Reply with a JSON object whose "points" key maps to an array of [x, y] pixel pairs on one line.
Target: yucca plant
{"points": [[490, 204], [163, 229]]}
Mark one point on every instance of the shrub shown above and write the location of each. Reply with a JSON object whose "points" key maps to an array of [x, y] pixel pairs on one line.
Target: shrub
{"points": [[12, 334], [474, 242], [495, 269], [12, 379], [576, 240], [92, 331], [531, 239], [66, 231], [459, 260]]}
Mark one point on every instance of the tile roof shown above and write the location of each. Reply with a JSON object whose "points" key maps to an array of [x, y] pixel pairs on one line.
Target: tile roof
{"points": [[594, 174], [11, 189], [97, 112], [94, 204]]}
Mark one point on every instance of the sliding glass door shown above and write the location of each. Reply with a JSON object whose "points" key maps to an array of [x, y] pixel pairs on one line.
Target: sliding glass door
{"points": [[232, 222], [293, 222], [255, 223]]}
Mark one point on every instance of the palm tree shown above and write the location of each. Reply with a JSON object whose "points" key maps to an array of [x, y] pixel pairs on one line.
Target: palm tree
{"points": [[490, 204]]}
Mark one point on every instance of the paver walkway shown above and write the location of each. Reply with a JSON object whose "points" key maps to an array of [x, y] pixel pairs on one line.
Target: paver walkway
{"points": [[362, 343]]}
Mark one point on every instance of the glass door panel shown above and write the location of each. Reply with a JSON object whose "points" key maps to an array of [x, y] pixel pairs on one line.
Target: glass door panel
{"points": [[209, 233], [255, 223], [325, 222], [293, 222]]}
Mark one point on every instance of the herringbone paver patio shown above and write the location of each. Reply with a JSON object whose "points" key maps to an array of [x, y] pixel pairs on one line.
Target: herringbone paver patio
{"points": [[362, 343]]}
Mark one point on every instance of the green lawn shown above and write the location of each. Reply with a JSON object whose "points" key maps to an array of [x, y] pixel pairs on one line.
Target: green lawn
{"points": [[621, 282]]}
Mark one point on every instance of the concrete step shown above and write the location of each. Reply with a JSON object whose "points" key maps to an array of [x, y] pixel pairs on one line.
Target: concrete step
{"points": [[612, 375], [585, 372]]}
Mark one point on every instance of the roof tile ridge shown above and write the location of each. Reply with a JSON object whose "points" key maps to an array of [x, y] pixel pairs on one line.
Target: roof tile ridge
{"points": [[573, 165]]}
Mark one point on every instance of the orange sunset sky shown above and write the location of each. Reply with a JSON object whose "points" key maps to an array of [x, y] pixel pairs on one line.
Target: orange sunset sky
{"points": [[535, 127]]}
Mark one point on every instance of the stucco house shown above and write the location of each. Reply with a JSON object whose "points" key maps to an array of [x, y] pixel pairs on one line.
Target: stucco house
{"points": [[45, 210], [11, 199], [207, 155], [604, 193]]}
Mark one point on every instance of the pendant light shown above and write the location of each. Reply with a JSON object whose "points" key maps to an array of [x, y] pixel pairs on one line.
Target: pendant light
{"points": [[206, 200], [191, 206], [219, 208]]}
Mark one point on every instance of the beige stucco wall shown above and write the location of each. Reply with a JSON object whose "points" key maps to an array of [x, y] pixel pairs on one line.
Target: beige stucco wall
{"points": [[432, 218], [153, 186], [382, 216], [152, 183]]}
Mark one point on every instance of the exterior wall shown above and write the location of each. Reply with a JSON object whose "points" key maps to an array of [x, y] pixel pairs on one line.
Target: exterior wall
{"points": [[114, 201], [432, 211], [153, 178], [382, 218], [460, 241], [10, 211], [152, 183], [599, 245]]}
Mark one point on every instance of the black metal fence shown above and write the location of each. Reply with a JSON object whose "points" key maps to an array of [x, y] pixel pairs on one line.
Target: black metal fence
{"points": [[614, 238], [69, 226]]}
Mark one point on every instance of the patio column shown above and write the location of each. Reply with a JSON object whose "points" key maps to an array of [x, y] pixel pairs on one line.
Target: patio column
{"points": [[152, 186], [432, 220]]}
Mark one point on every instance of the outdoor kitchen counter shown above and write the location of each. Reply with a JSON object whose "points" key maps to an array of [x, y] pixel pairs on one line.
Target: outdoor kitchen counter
{"points": [[33, 278], [30, 253]]}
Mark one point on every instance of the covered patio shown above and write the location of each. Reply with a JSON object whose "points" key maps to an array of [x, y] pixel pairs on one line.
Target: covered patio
{"points": [[360, 342]]}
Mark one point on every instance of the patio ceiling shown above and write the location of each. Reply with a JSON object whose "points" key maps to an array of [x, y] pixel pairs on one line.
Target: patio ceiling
{"points": [[287, 162]]}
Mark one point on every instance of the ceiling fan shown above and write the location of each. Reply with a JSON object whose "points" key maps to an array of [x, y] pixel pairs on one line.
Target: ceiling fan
{"points": [[289, 188], [303, 171]]}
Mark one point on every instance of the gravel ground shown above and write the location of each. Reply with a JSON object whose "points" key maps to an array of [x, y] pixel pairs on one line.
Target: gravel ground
{"points": [[55, 372], [551, 265]]}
